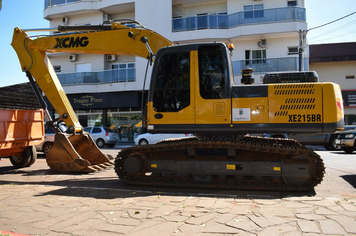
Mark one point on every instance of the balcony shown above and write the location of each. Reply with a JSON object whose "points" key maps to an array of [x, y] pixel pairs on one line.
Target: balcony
{"points": [[224, 21], [266, 65], [50, 3], [100, 77]]}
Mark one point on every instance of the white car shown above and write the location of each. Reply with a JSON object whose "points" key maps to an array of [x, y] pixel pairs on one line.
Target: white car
{"points": [[147, 138]]}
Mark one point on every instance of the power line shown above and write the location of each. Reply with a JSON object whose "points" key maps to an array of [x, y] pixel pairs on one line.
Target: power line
{"points": [[334, 30], [332, 21]]}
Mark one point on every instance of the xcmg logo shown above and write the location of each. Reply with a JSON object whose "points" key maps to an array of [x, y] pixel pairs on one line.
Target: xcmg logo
{"points": [[71, 42]]}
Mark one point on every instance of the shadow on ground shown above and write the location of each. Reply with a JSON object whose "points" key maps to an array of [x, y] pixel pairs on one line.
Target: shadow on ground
{"points": [[351, 179], [102, 185]]}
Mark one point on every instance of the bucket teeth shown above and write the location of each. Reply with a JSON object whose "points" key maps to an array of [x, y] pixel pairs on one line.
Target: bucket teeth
{"points": [[77, 153]]}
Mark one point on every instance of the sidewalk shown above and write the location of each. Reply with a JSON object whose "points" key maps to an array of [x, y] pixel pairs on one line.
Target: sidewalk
{"points": [[53, 210]]}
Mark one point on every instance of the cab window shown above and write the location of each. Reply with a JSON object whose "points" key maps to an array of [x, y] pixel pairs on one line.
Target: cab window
{"points": [[172, 91], [211, 72]]}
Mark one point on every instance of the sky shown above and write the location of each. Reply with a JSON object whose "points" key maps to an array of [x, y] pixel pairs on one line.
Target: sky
{"points": [[28, 14]]}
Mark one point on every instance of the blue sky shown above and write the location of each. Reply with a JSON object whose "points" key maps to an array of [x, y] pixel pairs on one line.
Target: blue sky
{"points": [[28, 14]]}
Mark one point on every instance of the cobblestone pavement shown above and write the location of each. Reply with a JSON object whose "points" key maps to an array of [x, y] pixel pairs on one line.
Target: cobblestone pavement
{"points": [[36, 201], [52, 210]]}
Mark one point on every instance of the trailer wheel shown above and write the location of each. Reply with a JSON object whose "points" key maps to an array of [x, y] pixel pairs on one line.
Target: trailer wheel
{"points": [[27, 158], [33, 156]]}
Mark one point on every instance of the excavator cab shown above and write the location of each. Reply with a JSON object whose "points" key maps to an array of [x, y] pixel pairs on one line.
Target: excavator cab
{"points": [[190, 88]]}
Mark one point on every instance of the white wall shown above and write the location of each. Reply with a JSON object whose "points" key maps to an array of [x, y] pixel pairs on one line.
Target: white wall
{"points": [[204, 8], [336, 72]]}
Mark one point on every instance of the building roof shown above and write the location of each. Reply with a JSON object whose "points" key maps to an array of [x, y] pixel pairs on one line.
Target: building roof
{"points": [[332, 52], [19, 96]]}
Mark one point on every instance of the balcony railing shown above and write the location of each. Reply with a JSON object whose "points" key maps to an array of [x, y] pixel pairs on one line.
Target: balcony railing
{"points": [[49, 3], [224, 21], [266, 65], [100, 77]]}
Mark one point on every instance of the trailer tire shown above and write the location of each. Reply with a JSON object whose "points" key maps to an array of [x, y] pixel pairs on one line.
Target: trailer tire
{"points": [[27, 158], [33, 156]]}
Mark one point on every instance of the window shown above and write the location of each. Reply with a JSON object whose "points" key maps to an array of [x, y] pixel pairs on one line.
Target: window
{"points": [[253, 11], [350, 77], [211, 72], [292, 3], [255, 57], [293, 50], [57, 68], [96, 130], [258, 56], [172, 87], [126, 72]]}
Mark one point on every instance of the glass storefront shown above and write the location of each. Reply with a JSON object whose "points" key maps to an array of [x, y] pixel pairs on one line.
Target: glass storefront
{"points": [[126, 122]]}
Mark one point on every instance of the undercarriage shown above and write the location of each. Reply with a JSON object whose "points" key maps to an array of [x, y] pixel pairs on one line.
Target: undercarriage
{"points": [[248, 163]]}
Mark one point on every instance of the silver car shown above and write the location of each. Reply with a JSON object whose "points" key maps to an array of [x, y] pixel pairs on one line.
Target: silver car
{"points": [[102, 136], [346, 140]]}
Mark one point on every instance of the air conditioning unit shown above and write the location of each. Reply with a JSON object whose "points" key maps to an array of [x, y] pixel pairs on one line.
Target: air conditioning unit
{"points": [[73, 57], [262, 43], [65, 20], [111, 57]]}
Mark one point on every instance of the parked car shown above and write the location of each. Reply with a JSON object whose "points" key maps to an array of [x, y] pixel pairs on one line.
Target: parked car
{"points": [[147, 138], [48, 141], [346, 140], [102, 136], [327, 140]]}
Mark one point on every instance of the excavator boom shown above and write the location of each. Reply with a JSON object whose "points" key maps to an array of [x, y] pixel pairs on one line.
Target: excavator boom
{"points": [[77, 151]]}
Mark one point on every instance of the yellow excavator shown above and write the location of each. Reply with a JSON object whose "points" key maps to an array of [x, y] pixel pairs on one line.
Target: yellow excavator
{"points": [[192, 91]]}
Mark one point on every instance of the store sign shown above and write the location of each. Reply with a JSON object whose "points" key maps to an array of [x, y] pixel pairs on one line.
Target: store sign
{"points": [[102, 100], [349, 97], [105, 100], [88, 100]]}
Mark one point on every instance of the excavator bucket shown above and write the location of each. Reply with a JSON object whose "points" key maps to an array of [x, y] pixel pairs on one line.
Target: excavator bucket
{"points": [[76, 153]]}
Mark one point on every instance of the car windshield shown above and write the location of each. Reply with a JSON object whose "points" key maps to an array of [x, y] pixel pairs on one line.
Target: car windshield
{"points": [[349, 127]]}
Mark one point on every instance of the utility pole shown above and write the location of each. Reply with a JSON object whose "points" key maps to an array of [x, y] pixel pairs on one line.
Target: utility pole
{"points": [[302, 42]]}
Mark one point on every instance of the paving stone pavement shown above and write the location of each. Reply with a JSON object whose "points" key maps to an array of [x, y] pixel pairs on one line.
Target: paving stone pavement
{"points": [[53, 210]]}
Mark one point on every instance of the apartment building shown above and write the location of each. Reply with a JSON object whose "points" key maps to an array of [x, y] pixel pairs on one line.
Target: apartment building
{"points": [[107, 89]]}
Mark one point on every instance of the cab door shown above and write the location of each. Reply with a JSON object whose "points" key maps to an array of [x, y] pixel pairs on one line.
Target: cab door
{"points": [[171, 98], [212, 94]]}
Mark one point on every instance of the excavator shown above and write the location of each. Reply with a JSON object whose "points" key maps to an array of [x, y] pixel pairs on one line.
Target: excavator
{"points": [[192, 91]]}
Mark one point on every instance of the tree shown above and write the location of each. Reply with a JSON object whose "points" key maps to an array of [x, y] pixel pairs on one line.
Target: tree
{"points": [[0, 4]]}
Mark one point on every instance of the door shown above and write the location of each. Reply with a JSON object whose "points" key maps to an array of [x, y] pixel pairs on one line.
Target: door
{"points": [[95, 133], [212, 99], [172, 100]]}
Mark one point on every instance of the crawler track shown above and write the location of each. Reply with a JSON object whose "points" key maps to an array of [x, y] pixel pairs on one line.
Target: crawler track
{"points": [[248, 163]]}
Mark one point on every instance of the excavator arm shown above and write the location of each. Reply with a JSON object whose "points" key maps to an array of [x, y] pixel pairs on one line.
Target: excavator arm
{"points": [[77, 151], [115, 38]]}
